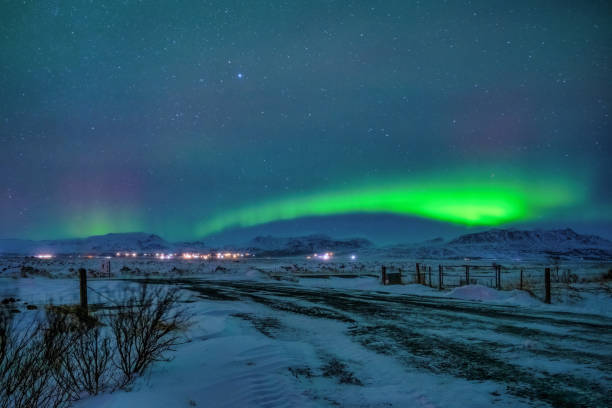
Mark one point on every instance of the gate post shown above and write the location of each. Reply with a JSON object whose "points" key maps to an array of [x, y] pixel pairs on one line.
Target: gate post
{"points": [[498, 275], [547, 284], [83, 289]]}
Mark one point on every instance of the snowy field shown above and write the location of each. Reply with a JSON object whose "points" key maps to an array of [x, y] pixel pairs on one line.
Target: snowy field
{"points": [[590, 292], [348, 342]]}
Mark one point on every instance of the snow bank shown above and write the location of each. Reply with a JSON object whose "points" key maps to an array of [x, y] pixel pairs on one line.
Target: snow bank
{"points": [[592, 297], [490, 295], [368, 283]]}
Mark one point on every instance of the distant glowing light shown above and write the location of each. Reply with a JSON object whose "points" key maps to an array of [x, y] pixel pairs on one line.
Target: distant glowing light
{"points": [[325, 256], [44, 256], [163, 256], [239, 75], [353, 257]]}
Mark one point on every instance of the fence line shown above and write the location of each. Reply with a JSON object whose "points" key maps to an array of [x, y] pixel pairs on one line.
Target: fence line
{"points": [[537, 279]]}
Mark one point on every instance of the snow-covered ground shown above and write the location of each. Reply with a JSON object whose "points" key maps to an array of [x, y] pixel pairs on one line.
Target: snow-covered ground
{"points": [[589, 294], [306, 342]]}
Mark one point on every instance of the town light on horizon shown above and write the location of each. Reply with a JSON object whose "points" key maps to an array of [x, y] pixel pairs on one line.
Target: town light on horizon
{"points": [[326, 256]]}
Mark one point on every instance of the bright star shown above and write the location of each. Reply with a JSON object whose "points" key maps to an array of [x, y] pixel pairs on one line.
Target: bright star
{"points": [[239, 75]]}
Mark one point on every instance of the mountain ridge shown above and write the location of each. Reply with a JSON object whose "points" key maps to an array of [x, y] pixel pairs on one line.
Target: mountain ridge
{"points": [[490, 244]]}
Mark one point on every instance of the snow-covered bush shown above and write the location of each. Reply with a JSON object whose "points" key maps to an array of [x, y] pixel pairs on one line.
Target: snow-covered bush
{"points": [[26, 377], [80, 352], [146, 327], [52, 359]]}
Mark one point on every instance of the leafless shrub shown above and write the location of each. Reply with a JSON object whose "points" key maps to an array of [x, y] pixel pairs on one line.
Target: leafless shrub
{"points": [[147, 326], [52, 361], [79, 352], [339, 370], [28, 271], [25, 377]]}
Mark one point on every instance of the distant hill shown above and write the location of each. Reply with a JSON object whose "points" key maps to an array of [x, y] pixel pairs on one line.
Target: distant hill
{"points": [[540, 239], [515, 244], [98, 244], [281, 246], [493, 244], [146, 243]]}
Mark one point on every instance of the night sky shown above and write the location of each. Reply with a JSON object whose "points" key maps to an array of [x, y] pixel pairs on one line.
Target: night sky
{"points": [[397, 119]]}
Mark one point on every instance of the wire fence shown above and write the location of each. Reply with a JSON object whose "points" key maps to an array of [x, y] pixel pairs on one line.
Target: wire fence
{"points": [[499, 276], [539, 279], [531, 277]]}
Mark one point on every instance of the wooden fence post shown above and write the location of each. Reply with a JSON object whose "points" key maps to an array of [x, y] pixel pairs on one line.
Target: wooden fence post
{"points": [[547, 284], [418, 273], [105, 268], [495, 269], [521, 279], [496, 278], [429, 271], [467, 274], [383, 274], [498, 273], [440, 273], [83, 287]]}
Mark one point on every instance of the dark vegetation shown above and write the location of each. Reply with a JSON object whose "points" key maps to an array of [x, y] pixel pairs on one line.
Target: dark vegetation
{"points": [[337, 369], [267, 326], [64, 354]]}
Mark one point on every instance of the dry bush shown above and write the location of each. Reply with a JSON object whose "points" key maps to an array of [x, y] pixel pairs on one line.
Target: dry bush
{"points": [[147, 325], [80, 354], [53, 361], [26, 379], [606, 276]]}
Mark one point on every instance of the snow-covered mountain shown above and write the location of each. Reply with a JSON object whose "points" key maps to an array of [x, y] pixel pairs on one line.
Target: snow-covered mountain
{"points": [[515, 244], [98, 244], [491, 244], [286, 246], [147, 243], [549, 239]]}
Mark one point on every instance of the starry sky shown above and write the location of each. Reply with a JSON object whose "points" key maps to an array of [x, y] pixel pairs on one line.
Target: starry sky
{"points": [[396, 120]]}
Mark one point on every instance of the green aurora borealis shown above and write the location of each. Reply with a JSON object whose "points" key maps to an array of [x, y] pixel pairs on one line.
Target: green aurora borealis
{"points": [[457, 201], [394, 120]]}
